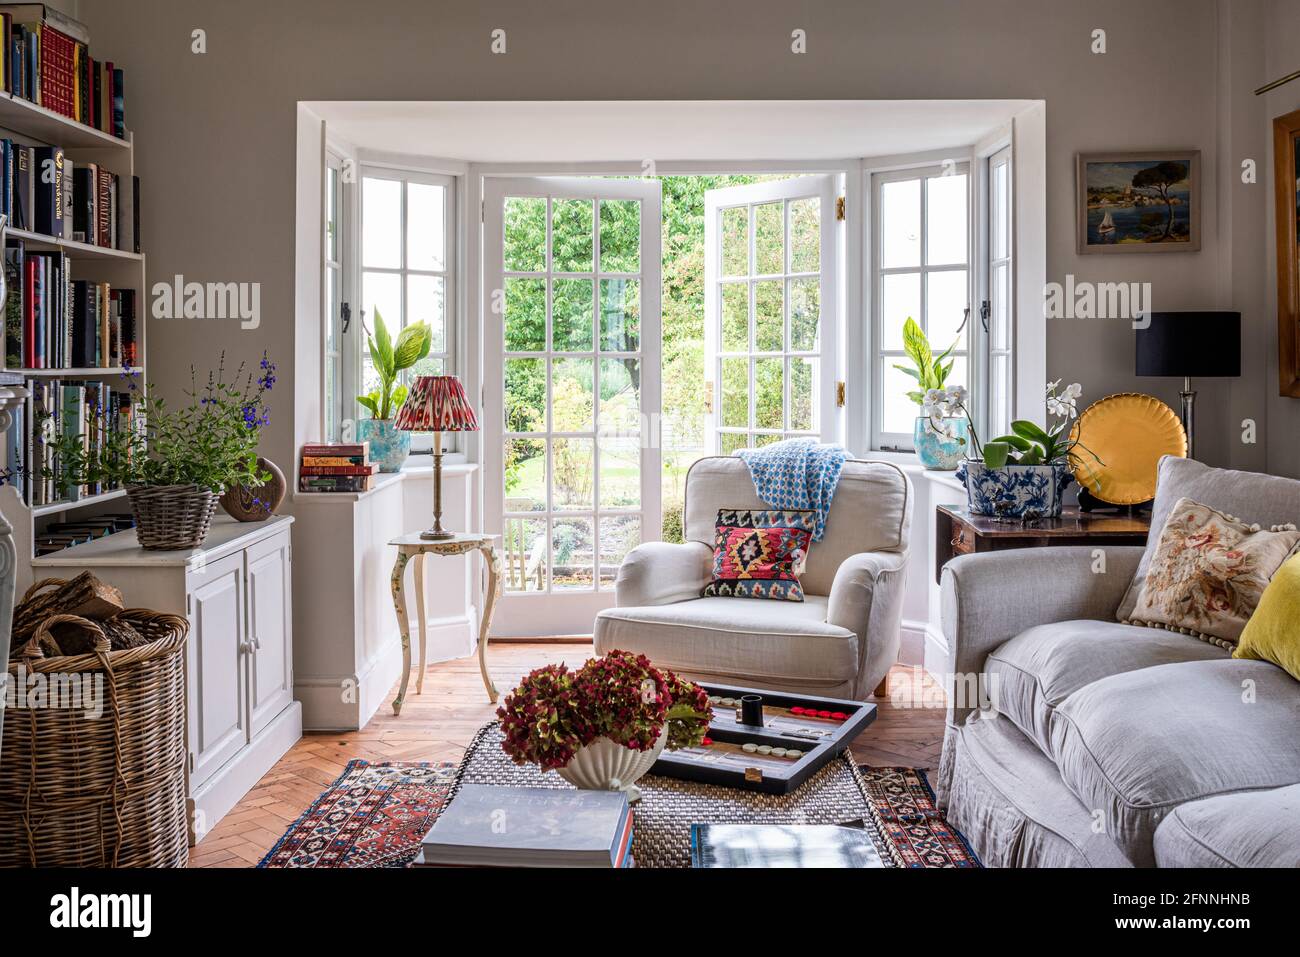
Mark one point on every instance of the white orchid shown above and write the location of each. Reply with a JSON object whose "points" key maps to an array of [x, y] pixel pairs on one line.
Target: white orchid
{"points": [[1063, 406], [955, 395]]}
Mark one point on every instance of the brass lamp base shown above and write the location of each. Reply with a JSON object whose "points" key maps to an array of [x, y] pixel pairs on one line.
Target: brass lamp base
{"points": [[436, 535]]}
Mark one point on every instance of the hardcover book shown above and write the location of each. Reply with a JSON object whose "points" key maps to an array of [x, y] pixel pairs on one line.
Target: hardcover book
{"points": [[783, 845]]}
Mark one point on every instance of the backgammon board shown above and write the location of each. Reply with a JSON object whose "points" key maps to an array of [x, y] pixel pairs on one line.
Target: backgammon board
{"points": [[799, 734]]}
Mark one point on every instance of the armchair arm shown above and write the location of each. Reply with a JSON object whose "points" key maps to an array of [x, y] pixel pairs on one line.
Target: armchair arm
{"points": [[660, 573], [867, 599]]}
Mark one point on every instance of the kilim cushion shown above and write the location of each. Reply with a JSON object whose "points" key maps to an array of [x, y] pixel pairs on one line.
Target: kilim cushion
{"points": [[759, 553]]}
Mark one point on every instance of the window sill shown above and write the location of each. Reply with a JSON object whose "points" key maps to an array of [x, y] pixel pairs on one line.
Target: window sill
{"points": [[417, 468]]}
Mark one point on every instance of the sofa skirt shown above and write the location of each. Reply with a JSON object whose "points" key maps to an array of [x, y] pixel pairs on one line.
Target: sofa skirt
{"points": [[1007, 798]]}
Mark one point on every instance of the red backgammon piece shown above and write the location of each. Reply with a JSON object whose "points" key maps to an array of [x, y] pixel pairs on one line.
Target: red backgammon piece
{"points": [[838, 715], [707, 741], [797, 710], [823, 714]]}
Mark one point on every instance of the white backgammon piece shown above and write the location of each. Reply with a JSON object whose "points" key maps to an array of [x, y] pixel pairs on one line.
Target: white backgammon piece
{"points": [[779, 752], [727, 702], [794, 754], [714, 699], [764, 749], [749, 746]]}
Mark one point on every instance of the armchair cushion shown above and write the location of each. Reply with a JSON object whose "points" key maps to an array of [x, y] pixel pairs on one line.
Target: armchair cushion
{"points": [[659, 573], [760, 553], [1250, 829]]}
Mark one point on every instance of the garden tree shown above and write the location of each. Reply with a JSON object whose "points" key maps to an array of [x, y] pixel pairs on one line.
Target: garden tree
{"points": [[1160, 178]]}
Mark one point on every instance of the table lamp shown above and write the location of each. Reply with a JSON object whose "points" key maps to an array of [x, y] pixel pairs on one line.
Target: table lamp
{"points": [[1190, 344], [437, 404]]}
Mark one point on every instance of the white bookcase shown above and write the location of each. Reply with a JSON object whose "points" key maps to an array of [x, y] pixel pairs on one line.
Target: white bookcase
{"points": [[35, 125]]}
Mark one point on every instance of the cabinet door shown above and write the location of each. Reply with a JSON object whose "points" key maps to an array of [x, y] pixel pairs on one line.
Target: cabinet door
{"points": [[217, 648], [270, 614]]}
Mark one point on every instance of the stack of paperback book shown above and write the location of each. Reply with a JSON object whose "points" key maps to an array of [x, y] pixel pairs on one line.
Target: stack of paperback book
{"points": [[336, 468]]}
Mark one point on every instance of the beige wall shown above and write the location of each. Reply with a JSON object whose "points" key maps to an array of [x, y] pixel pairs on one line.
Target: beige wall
{"points": [[216, 133]]}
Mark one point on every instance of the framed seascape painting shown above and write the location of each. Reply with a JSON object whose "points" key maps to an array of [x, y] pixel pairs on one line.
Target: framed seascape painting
{"points": [[1286, 198], [1147, 202]]}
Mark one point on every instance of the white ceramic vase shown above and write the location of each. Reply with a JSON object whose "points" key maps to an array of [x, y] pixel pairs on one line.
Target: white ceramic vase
{"points": [[605, 765]]}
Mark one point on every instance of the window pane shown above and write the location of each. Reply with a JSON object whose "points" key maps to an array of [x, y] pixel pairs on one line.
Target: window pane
{"points": [[769, 393], [945, 214], [735, 393], [999, 210], [525, 399], [900, 299], [525, 475], [731, 441], [769, 325], [945, 308], [620, 397], [805, 314], [897, 411], [900, 223], [525, 242], [572, 315], [572, 555], [381, 214], [1000, 392], [572, 468], [525, 318], [620, 473], [806, 235], [332, 280], [429, 365], [572, 226], [331, 213], [761, 439], [425, 302], [769, 238], [735, 317], [803, 394], [735, 241], [1000, 321], [620, 235], [960, 374], [619, 534], [426, 227], [572, 395], [620, 315], [525, 546], [382, 293]]}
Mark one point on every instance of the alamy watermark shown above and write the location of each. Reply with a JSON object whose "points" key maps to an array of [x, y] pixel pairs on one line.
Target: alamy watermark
{"points": [[37, 690], [179, 299], [1098, 300]]}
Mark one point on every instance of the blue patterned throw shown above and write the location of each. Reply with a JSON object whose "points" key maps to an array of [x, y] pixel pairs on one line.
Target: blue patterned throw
{"points": [[797, 474]]}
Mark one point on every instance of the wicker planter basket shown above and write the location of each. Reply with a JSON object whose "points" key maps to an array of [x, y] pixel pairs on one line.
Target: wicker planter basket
{"points": [[77, 791], [170, 517]]}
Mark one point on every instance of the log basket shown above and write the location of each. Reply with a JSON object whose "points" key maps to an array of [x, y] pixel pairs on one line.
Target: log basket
{"points": [[77, 791], [170, 517]]}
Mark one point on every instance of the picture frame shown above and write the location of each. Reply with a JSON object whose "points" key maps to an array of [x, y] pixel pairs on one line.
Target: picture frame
{"points": [[1286, 198], [1136, 202]]}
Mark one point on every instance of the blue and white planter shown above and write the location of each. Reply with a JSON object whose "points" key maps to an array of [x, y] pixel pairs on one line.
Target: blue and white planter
{"points": [[936, 451], [1015, 491], [389, 446]]}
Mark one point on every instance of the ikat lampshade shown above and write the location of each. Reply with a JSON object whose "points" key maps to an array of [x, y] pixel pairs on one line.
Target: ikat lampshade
{"points": [[437, 403]]}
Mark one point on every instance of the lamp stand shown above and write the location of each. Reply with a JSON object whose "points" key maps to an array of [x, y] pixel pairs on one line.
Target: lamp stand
{"points": [[1188, 395], [437, 533]]}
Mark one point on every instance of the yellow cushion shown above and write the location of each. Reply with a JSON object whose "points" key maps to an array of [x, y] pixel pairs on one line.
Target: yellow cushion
{"points": [[1272, 633]]}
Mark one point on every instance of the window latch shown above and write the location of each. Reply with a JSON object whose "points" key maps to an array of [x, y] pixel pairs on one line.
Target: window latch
{"points": [[985, 310], [345, 310]]}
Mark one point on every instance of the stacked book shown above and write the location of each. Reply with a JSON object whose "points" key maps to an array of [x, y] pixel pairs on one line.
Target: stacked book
{"points": [[45, 58], [53, 321], [491, 826], [43, 191], [56, 536], [334, 467]]}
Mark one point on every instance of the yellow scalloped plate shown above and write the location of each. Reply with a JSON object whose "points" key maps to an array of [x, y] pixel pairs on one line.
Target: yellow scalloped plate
{"points": [[1129, 432]]}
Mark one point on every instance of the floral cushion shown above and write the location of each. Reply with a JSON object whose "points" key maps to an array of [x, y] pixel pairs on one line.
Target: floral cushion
{"points": [[760, 553], [1208, 572]]}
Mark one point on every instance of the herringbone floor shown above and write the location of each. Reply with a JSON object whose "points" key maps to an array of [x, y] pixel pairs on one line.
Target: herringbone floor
{"points": [[438, 724]]}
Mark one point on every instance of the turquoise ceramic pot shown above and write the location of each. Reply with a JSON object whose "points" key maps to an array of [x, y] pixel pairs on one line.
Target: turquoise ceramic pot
{"points": [[938, 452], [389, 446]]}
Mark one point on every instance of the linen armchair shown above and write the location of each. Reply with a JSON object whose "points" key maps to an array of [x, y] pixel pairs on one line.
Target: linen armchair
{"points": [[839, 642]]}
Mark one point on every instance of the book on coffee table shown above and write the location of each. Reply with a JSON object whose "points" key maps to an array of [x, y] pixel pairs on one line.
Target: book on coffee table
{"points": [[783, 845], [489, 826]]}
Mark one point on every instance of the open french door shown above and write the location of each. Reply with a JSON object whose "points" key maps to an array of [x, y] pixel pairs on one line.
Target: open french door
{"points": [[770, 273], [572, 393]]}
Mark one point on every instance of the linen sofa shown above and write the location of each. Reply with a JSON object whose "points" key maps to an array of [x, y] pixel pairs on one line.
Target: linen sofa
{"points": [[1082, 741], [839, 642]]}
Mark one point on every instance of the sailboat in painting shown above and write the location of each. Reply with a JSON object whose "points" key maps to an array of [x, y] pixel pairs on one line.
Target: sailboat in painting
{"points": [[1107, 225]]}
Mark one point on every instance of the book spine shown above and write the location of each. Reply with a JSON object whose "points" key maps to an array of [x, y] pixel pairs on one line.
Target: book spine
{"points": [[49, 185], [14, 350], [103, 205], [29, 314], [316, 460], [337, 470], [119, 104]]}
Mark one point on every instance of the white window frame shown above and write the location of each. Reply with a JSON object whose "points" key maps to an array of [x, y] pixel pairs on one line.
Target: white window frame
{"points": [[337, 273], [875, 177], [421, 442], [988, 420]]}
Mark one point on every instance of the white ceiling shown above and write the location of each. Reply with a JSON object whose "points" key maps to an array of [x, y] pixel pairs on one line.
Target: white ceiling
{"points": [[634, 131]]}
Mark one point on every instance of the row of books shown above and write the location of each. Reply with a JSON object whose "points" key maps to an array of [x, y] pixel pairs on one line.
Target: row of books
{"points": [[56, 536], [43, 191], [53, 321], [45, 58], [88, 410], [336, 467]]}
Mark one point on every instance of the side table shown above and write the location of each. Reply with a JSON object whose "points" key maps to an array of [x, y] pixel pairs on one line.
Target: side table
{"points": [[958, 532], [413, 546]]}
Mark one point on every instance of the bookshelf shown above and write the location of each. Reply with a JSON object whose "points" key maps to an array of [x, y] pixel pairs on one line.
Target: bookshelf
{"points": [[122, 269]]}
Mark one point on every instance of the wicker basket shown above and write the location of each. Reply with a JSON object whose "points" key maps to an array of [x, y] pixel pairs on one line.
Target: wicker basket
{"points": [[77, 791], [169, 517]]}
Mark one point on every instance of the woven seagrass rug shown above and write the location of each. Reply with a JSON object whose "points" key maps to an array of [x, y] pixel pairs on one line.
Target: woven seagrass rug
{"points": [[375, 815]]}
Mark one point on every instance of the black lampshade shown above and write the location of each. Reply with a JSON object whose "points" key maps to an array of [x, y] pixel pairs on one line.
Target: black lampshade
{"points": [[1193, 344]]}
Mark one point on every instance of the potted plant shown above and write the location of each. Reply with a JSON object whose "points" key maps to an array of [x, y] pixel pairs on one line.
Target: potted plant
{"points": [[938, 436], [603, 726], [1025, 474], [389, 446], [173, 462]]}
